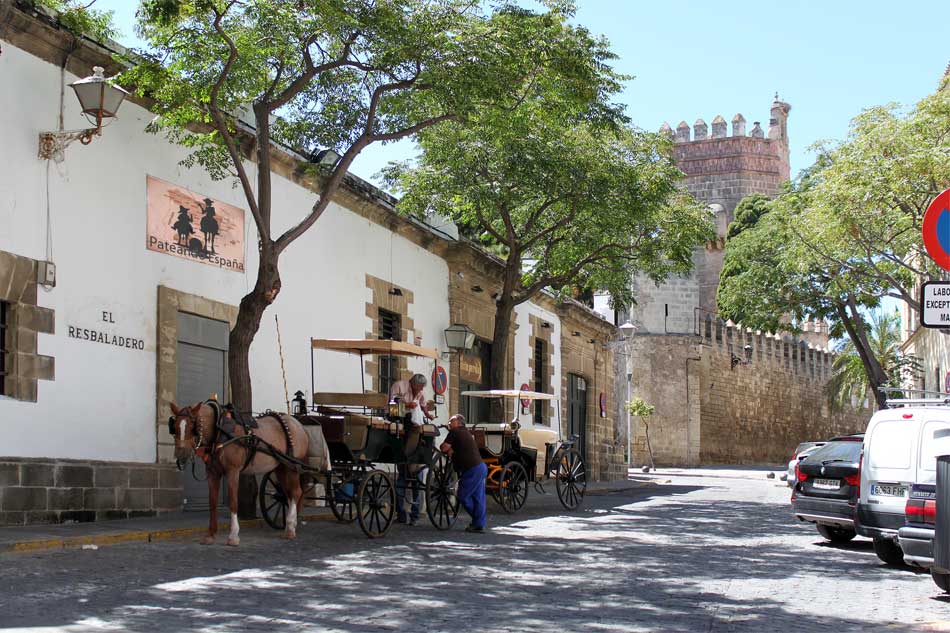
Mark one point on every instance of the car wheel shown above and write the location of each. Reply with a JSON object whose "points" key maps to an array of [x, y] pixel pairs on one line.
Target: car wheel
{"points": [[942, 581], [888, 551], [836, 534]]}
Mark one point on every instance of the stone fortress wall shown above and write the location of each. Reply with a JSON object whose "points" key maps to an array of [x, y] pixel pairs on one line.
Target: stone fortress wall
{"points": [[724, 394]]}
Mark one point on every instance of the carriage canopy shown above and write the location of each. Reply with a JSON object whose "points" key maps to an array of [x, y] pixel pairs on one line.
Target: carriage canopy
{"points": [[367, 347], [510, 393]]}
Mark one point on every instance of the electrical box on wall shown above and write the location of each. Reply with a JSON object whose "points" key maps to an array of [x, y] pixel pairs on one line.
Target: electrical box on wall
{"points": [[46, 274]]}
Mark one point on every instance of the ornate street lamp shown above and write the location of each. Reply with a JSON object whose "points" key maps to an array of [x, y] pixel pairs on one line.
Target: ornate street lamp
{"points": [[99, 99], [459, 337], [627, 329]]}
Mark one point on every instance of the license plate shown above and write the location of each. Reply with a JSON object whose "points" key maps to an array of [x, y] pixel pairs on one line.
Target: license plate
{"points": [[889, 490], [827, 484]]}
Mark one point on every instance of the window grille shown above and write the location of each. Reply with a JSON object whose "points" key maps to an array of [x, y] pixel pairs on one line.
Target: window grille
{"points": [[389, 328], [539, 357]]}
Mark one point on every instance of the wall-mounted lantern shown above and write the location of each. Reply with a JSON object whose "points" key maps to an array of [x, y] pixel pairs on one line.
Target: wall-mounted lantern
{"points": [[459, 337], [99, 100], [627, 329]]}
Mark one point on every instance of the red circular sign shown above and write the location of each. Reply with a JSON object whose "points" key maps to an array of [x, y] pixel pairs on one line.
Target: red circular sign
{"points": [[603, 404], [936, 229], [946, 383], [440, 381], [524, 401]]}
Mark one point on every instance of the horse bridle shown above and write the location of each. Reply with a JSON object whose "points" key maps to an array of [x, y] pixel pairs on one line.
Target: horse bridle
{"points": [[196, 432]]}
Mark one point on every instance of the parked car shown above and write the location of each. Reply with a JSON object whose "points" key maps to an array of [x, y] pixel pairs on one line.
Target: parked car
{"points": [[898, 453], [827, 482], [801, 452], [917, 534]]}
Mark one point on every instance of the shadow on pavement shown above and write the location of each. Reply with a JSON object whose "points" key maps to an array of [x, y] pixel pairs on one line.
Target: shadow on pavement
{"points": [[641, 560]]}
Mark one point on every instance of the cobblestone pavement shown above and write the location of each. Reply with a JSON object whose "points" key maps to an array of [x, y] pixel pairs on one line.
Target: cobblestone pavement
{"points": [[696, 554]]}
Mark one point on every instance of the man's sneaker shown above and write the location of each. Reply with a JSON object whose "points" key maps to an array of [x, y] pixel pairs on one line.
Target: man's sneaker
{"points": [[476, 530], [401, 519], [413, 521]]}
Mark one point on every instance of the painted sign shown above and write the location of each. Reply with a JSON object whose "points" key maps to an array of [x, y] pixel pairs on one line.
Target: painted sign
{"points": [[440, 381], [946, 383], [470, 368], [191, 226], [94, 335], [603, 404], [935, 304], [936, 229]]}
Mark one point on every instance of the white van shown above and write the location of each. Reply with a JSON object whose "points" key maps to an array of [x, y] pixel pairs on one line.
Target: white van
{"points": [[899, 450]]}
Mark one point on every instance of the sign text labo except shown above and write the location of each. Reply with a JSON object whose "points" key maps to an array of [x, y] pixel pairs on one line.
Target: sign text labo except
{"points": [[935, 304], [106, 338]]}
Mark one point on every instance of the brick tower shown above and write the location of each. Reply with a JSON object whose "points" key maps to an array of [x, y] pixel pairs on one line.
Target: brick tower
{"points": [[721, 169]]}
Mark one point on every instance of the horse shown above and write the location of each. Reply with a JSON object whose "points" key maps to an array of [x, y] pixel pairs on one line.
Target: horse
{"points": [[183, 225], [209, 226], [205, 430]]}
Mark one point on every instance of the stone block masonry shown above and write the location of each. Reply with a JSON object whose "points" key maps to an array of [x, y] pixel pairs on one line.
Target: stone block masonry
{"points": [[732, 396], [65, 491]]}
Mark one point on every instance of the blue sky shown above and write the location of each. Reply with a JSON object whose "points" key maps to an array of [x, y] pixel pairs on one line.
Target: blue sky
{"points": [[693, 59]]}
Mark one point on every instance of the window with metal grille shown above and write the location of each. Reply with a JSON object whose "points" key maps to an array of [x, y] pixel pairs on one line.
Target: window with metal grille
{"points": [[539, 357], [4, 312], [389, 327]]}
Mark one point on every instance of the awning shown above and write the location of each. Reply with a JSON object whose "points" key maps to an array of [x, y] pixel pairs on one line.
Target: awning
{"points": [[510, 393], [373, 346]]}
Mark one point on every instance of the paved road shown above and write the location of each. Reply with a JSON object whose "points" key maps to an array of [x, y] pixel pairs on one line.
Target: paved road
{"points": [[701, 553]]}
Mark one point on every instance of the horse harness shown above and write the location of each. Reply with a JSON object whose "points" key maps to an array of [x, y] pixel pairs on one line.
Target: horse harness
{"points": [[226, 421]]}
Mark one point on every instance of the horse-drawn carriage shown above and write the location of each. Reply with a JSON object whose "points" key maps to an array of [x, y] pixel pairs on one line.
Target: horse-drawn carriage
{"points": [[362, 431], [516, 457]]}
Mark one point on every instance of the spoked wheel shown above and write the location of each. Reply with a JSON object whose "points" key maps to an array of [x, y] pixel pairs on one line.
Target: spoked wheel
{"points": [[341, 496], [442, 502], [273, 502], [376, 503], [571, 478], [513, 491]]}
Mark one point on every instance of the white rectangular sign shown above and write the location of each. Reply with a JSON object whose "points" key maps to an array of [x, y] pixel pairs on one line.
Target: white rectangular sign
{"points": [[935, 304]]}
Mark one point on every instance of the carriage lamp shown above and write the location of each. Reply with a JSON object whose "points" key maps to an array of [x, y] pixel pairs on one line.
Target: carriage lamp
{"points": [[99, 99], [459, 337], [300, 404]]}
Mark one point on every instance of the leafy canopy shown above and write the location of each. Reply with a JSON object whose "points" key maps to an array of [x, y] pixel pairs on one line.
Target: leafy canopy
{"points": [[566, 192]]}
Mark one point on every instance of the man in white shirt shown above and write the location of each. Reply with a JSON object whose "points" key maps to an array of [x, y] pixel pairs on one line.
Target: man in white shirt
{"points": [[410, 393]]}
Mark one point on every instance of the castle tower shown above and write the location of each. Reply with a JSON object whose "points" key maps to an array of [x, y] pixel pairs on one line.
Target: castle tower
{"points": [[721, 169]]}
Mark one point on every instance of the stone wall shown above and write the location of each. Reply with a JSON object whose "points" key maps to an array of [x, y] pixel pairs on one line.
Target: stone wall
{"points": [[719, 402], [64, 491], [23, 365]]}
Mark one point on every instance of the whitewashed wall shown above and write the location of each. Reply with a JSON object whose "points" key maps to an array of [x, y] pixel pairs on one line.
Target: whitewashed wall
{"points": [[524, 351], [102, 403]]}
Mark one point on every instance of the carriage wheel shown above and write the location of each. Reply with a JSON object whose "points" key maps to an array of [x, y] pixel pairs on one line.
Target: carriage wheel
{"points": [[376, 504], [342, 505], [571, 478], [273, 502], [513, 490], [442, 502]]}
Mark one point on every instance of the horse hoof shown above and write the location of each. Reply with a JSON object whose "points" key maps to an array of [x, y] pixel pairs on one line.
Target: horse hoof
{"points": [[234, 542], [208, 540], [291, 536]]}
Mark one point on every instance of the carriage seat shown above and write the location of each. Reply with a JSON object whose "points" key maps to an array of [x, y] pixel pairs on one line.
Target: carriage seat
{"points": [[332, 426]]}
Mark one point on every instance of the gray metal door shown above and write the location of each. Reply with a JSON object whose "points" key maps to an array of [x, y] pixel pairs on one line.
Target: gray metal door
{"points": [[202, 372], [577, 411]]}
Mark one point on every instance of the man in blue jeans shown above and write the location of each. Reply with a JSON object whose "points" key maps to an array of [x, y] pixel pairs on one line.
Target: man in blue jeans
{"points": [[460, 446]]}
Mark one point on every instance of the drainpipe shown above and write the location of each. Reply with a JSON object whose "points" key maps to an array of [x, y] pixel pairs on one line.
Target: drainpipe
{"points": [[687, 406]]}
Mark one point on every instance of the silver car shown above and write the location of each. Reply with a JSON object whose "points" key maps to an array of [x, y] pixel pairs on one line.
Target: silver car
{"points": [[800, 453]]}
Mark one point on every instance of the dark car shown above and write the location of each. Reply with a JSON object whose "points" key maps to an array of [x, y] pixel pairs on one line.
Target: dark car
{"points": [[827, 485], [916, 538]]}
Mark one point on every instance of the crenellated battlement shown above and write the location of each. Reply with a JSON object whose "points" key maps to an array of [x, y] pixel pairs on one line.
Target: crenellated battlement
{"points": [[778, 130], [795, 355]]}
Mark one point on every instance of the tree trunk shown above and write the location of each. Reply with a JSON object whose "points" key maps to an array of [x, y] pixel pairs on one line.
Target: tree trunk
{"points": [[252, 309], [854, 324], [504, 312]]}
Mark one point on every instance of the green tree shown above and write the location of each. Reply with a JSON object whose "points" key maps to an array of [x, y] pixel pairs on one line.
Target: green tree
{"points": [[848, 232], [849, 379], [565, 192], [339, 74], [747, 213]]}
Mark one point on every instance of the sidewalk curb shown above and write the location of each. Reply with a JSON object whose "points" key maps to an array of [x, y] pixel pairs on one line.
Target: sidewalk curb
{"points": [[137, 536]]}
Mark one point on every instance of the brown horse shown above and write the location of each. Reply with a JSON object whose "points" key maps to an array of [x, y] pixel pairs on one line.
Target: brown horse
{"points": [[196, 431]]}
